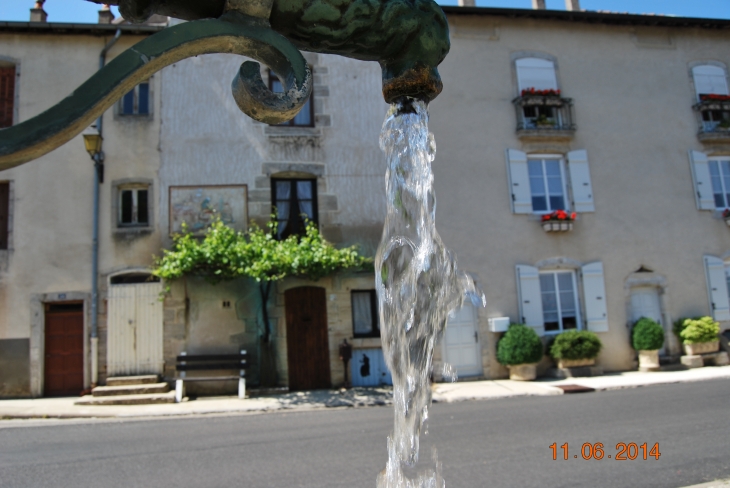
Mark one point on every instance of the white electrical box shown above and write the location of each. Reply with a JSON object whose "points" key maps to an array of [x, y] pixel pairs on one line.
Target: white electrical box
{"points": [[499, 324]]}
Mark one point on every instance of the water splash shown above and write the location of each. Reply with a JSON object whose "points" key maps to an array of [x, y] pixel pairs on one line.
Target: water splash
{"points": [[418, 284]]}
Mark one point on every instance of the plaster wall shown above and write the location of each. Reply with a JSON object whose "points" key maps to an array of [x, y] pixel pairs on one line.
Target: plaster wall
{"points": [[633, 97]]}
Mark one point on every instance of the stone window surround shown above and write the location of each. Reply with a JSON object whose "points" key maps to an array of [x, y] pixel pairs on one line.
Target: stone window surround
{"points": [[118, 185], [37, 335], [658, 281], [566, 264], [7, 60]]}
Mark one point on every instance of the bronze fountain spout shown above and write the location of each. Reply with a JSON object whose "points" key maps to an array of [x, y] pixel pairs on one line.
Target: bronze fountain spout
{"points": [[408, 38]]}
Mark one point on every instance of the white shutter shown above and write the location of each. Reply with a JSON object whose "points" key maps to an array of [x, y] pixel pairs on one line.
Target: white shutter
{"points": [[709, 80], [717, 288], [580, 181], [594, 292], [519, 182], [536, 73], [702, 181], [530, 298]]}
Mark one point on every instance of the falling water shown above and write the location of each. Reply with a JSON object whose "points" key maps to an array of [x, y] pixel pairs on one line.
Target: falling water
{"points": [[418, 285]]}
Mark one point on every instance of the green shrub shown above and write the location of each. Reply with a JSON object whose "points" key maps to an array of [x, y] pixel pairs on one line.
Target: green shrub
{"points": [[704, 329], [520, 345], [647, 335], [679, 326], [576, 344]]}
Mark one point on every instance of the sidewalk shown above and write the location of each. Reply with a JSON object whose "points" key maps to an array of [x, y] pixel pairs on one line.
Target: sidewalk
{"points": [[354, 397]]}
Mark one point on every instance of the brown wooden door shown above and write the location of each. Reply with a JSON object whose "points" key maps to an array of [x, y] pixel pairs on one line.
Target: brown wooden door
{"points": [[64, 349], [306, 338]]}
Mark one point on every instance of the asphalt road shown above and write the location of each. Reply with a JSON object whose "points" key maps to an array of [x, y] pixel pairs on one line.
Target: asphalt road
{"points": [[496, 443]]}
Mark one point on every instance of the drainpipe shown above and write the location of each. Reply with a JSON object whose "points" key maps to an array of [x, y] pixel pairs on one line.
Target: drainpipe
{"points": [[98, 179]]}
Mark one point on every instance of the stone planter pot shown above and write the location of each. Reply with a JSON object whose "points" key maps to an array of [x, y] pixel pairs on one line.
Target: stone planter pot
{"points": [[648, 360], [575, 363], [557, 225], [701, 348], [523, 372]]}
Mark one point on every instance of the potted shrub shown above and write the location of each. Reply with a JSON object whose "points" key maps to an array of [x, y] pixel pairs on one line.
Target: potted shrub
{"points": [[520, 350], [576, 348], [700, 336], [647, 338]]}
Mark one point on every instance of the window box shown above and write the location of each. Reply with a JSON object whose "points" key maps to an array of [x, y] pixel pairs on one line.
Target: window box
{"points": [[544, 116], [714, 115], [558, 221]]}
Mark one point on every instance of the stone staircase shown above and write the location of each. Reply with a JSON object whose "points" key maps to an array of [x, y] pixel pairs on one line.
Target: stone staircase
{"points": [[130, 390]]}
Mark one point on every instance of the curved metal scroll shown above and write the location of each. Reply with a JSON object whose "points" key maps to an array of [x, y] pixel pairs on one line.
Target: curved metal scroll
{"points": [[233, 33]]}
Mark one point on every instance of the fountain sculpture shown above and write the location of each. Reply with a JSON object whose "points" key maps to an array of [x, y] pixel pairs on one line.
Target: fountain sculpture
{"points": [[417, 279]]}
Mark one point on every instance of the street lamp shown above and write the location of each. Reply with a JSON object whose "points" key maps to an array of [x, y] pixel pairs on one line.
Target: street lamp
{"points": [[93, 144]]}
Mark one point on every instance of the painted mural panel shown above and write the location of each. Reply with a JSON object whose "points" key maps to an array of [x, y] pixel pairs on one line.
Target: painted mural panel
{"points": [[198, 207]]}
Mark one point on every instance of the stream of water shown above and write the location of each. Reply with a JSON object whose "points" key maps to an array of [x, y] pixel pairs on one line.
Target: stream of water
{"points": [[418, 284]]}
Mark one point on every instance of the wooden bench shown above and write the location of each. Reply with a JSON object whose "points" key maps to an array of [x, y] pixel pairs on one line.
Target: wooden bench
{"points": [[210, 362]]}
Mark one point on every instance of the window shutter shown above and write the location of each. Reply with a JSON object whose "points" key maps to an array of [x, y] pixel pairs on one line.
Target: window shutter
{"points": [[580, 181], [530, 298], [4, 214], [536, 73], [7, 96], [519, 182], [717, 288], [594, 293], [703, 184], [709, 80]]}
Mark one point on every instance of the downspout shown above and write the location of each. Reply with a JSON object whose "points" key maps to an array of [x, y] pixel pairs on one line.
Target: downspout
{"points": [[98, 179]]}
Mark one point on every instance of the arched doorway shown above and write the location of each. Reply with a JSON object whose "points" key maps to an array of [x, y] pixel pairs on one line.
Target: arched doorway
{"points": [[307, 344]]}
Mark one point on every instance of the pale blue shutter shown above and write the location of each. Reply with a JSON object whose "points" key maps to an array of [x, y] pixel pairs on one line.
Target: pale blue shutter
{"points": [[594, 293], [530, 298], [703, 184], [580, 181], [519, 182], [717, 288]]}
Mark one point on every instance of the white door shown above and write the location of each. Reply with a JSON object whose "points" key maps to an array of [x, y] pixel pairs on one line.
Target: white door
{"points": [[134, 329], [461, 342], [645, 303]]}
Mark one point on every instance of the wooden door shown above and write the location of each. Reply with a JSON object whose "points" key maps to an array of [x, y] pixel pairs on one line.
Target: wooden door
{"points": [[461, 342], [64, 350], [134, 329], [306, 338]]}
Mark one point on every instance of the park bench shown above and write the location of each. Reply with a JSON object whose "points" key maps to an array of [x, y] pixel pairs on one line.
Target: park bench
{"points": [[187, 363]]}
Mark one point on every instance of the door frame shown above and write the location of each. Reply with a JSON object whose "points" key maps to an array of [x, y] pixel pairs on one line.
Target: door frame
{"points": [[651, 279], [38, 335]]}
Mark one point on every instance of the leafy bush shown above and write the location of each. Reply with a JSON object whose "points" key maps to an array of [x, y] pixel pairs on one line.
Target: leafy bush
{"points": [[576, 344], [704, 329], [520, 345], [647, 335]]}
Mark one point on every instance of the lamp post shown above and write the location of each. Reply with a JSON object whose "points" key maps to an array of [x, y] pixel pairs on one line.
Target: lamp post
{"points": [[93, 141]]}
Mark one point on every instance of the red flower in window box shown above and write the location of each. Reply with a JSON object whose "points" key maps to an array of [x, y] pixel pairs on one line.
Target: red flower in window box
{"points": [[559, 215], [715, 97], [726, 214], [544, 93]]}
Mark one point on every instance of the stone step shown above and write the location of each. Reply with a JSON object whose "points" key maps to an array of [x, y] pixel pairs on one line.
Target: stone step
{"points": [[143, 399], [100, 391], [132, 380]]}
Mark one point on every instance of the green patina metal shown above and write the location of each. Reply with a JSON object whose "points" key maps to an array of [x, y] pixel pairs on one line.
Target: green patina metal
{"points": [[408, 38]]}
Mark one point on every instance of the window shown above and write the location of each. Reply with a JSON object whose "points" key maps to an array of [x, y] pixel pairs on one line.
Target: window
{"points": [[710, 82], [720, 176], [546, 184], [7, 95], [559, 301], [136, 101], [134, 206], [539, 75], [365, 313], [295, 203], [539, 183], [305, 117]]}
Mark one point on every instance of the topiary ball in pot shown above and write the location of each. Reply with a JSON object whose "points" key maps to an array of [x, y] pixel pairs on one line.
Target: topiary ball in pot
{"points": [[520, 349], [647, 335], [576, 345], [520, 345]]}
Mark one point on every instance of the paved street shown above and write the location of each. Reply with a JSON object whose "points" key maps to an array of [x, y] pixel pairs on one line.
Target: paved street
{"points": [[499, 443]]}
